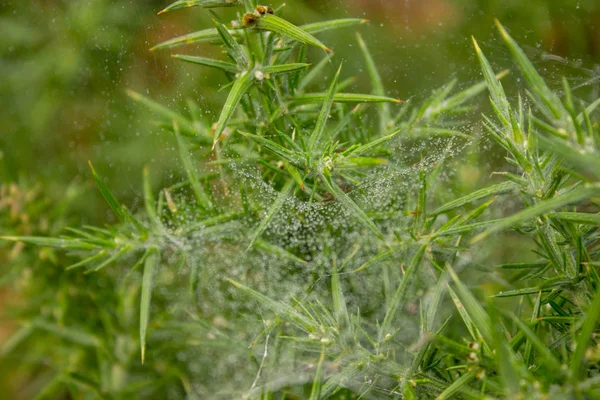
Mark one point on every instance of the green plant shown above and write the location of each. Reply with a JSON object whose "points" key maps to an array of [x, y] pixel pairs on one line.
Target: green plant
{"points": [[308, 254]]}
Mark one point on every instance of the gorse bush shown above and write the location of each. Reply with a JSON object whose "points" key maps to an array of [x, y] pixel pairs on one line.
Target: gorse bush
{"points": [[316, 249]]}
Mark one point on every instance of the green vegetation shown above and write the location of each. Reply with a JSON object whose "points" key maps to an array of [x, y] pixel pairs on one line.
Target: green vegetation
{"points": [[315, 246]]}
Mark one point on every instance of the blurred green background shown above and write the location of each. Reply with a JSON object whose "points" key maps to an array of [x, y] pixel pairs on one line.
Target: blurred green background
{"points": [[65, 66]]}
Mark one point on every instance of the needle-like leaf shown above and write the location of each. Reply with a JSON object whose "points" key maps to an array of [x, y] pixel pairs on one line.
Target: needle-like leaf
{"points": [[350, 205], [205, 35], [284, 68], [275, 207], [201, 197], [234, 49], [281, 309], [200, 3], [284, 28], [208, 62], [343, 98], [241, 85], [324, 114], [146, 298]]}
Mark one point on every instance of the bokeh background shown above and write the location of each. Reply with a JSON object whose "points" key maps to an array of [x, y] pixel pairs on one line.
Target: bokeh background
{"points": [[65, 66]]}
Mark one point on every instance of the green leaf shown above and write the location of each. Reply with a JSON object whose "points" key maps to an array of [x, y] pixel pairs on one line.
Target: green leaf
{"points": [[315, 393], [149, 202], [146, 298], [15, 339], [358, 162], [282, 27], [205, 35], [473, 308], [98, 256], [540, 208], [72, 244], [240, 86], [587, 331], [376, 83], [71, 334], [523, 266], [200, 3], [365, 148], [235, 50], [581, 160], [162, 111], [208, 62], [521, 292], [314, 73], [457, 385], [455, 101], [119, 210], [294, 173], [355, 211], [278, 149], [324, 114], [214, 221], [318, 27], [281, 309], [501, 188], [277, 251], [201, 197], [275, 207], [117, 255], [579, 218], [343, 98], [497, 94], [284, 68], [548, 359], [339, 302], [401, 291], [535, 81], [380, 257]]}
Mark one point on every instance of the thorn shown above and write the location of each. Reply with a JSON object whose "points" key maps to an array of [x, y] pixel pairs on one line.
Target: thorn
{"points": [[365, 21], [399, 101]]}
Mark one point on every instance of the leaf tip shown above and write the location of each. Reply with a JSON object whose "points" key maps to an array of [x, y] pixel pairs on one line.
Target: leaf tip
{"points": [[234, 283], [133, 94], [501, 28], [477, 49]]}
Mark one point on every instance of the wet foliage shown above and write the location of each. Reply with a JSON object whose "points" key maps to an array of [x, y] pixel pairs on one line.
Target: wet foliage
{"points": [[317, 245]]}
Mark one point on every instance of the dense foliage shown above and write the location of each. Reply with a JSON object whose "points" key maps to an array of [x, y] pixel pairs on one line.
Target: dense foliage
{"points": [[316, 248]]}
